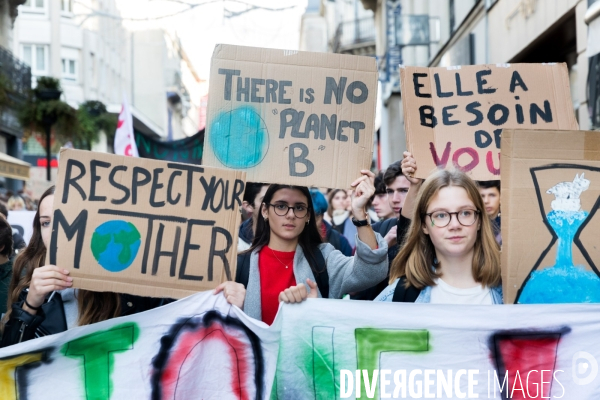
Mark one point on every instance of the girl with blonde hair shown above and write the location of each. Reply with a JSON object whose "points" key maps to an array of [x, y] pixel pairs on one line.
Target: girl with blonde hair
{"points": [[449, 254]]}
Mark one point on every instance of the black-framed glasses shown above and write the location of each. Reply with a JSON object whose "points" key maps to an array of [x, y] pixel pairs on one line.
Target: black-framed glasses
{"points": [[443, 218], [282, 209]]}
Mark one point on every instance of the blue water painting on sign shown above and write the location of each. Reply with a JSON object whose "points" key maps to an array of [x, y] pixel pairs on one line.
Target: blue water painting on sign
{"points": [[239, 138], [564, 282]]}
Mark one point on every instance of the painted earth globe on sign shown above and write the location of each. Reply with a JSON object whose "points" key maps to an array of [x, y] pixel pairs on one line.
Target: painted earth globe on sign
{"points": [[115, 245]]}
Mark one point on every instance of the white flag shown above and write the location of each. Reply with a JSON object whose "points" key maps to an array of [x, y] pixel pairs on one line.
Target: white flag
{"points": [[124, 139]]}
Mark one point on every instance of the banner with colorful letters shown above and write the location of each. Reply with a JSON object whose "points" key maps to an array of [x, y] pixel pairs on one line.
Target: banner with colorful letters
{"points": [[202, 348]]}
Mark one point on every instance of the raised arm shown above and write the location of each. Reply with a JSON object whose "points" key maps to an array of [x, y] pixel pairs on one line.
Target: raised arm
{"points": [[363, 191], [409, 167]]}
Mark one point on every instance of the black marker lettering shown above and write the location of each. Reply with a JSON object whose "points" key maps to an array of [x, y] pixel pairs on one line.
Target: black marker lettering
{"points": [[228, 78], [332, 87], [170, 199], [418, 85], [77, 227], [156, 186], [113, 182], [219, 253], [69, 181], [158, 253], [254, 96], [438, 87], [293, 160], [480, 82], [95, 178], [136, 182]]}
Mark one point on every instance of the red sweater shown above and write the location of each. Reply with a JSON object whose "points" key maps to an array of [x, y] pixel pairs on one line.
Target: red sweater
{"points": [[274, 279]]}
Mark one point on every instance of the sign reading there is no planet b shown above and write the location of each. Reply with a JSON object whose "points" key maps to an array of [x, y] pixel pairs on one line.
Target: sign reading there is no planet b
{"points": [[291, 117]]}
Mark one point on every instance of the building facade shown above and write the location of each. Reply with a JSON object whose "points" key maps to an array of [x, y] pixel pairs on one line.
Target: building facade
{"points": [[86, 45], [15, 78]]}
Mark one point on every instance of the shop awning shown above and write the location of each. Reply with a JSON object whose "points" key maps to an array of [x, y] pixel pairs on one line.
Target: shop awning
{"points": [[12, 167]]}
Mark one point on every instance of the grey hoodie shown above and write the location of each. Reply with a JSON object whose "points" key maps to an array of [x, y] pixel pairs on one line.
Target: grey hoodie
{"points": [[346, 274]]}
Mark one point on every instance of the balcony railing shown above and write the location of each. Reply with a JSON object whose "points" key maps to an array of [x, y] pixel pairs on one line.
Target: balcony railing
{"points": [[18, 73], [353, 33]]}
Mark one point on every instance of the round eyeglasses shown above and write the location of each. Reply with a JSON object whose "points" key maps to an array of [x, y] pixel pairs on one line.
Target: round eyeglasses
{"points": [[443, 218], [282, 209]]}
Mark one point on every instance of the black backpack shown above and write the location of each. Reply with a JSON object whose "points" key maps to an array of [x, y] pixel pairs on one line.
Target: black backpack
{"points": [[402, 294], [242, 274]]}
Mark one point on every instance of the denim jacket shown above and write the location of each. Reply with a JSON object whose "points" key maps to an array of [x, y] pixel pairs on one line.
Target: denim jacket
{"points": [[425, 295]]}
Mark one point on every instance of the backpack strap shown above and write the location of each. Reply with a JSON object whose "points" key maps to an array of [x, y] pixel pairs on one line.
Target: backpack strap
{"points": [[322, 277], [242, 275], [402, 294]]}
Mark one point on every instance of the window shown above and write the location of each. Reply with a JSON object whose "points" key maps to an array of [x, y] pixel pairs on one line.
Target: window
{"points": [[34, 6], [69, 69], [66, 6], [36, 56]]}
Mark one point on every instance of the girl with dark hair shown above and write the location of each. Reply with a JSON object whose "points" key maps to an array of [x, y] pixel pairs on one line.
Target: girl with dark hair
{"points": [[449, 254], [41, 300], [339, 216], [288, 254]]}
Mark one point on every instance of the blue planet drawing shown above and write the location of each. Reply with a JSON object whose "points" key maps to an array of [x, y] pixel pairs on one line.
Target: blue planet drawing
{"points": [[115, 245], [239, 138]]}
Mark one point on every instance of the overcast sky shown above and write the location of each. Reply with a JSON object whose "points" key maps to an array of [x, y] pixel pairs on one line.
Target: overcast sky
{"points": [[220, 21]]}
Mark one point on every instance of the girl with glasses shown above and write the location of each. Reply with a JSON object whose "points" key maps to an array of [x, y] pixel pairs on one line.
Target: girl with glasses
{"points": [[289, 262], [449, 254]]}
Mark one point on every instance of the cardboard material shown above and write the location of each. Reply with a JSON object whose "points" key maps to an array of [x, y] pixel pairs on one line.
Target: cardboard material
{"points": [[550, 199], [291, 117], [145, 227], [454, 116]]}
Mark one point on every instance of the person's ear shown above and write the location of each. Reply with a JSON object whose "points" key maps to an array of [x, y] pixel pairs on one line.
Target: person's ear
{"points": [[265, 211], [424, 228], [247, 207]]}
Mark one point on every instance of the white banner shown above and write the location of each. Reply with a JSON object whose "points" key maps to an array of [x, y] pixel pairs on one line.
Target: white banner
{"points": [[196, 348], [202, 348], [419, 351]]}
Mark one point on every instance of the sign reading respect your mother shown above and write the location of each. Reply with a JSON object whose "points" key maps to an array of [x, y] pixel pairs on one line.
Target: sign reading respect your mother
{"points": [[145, 227]]}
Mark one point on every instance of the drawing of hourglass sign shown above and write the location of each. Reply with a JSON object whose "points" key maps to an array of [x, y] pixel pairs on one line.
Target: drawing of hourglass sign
{"points": [[566, 271]]}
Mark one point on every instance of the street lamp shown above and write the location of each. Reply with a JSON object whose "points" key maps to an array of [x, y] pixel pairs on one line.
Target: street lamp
{"points": [[48, 119]]}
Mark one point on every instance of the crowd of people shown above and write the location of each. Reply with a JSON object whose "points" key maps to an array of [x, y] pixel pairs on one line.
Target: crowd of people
{"points": [[390, 237]]}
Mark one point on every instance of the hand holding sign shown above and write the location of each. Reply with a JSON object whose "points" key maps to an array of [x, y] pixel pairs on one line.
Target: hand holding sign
{"points": [[45, 280], [235, 293], [298, 293], [409, 168], [363, 190]]}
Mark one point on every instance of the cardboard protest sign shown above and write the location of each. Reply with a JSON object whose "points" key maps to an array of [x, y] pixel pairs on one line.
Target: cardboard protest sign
{"points": [[454, 116], [144, 227], [550, 230], [291, 117]]}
